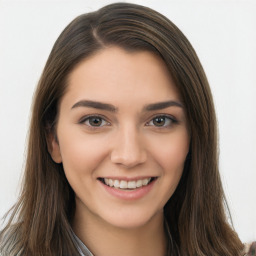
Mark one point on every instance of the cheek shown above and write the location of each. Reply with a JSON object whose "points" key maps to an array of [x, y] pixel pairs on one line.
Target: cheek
{"points": [[171, 157], [171, 151], [81, 154]]}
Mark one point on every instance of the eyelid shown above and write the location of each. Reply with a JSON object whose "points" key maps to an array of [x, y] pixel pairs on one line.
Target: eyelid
{"points": [[86, 117], [171, 117]]}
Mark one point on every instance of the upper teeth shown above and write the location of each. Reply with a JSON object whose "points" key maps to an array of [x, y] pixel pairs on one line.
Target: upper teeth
{"points": [[127, 184]]}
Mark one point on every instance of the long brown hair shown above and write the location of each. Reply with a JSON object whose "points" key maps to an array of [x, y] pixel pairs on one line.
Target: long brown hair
{"points": [[195, 214]]}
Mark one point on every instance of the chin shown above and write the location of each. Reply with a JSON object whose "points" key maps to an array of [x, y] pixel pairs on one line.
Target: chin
{"points": [[133, 219]]}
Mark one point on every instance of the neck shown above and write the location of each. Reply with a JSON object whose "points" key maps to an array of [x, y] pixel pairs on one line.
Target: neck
{"points": [[102, 238]]}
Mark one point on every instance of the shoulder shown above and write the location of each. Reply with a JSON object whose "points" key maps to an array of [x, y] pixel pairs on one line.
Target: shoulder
{"points": [[250, 249]]}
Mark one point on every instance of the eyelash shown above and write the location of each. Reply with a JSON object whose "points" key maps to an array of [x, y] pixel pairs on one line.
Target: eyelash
{"points": [[171, 119], [86, 119]]}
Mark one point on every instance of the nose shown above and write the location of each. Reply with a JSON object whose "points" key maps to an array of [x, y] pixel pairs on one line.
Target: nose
{"points": [[128, 149]]}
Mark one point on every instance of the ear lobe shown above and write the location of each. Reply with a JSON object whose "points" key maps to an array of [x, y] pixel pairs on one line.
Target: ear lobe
{"points": [[53, 147]]}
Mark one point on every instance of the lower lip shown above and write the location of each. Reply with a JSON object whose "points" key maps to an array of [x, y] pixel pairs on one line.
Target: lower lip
{"points": [[129, 194]]}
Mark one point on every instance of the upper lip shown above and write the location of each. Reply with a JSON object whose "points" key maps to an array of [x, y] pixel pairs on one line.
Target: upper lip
{"points": [[127, 178]]}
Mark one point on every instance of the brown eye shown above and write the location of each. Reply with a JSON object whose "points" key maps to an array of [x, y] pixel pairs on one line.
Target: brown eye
{"points": [[94, 121], [162, 121], [159, 121]]}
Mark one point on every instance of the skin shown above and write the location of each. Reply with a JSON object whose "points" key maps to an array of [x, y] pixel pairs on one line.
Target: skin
{"points": [[129, 143]]}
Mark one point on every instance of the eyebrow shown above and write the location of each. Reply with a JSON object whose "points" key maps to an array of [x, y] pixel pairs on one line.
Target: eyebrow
{"points": [[95, 104], [162, 105], [112, 108]]}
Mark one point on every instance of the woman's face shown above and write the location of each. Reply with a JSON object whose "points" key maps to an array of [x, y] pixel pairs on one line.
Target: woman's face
{"points": [[122, 137]]}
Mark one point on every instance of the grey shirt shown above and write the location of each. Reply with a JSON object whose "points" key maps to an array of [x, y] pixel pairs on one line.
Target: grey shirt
{"points": [[83, 250]]}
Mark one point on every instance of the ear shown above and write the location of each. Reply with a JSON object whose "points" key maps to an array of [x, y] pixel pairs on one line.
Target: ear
{"points": [[54, 147]]}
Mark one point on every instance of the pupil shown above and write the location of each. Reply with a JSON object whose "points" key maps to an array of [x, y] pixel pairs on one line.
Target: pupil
{"points": [[95, 121], [159, 121]]}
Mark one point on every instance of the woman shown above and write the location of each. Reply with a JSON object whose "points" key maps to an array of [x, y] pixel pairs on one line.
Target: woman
{"points": [[122, 154]]}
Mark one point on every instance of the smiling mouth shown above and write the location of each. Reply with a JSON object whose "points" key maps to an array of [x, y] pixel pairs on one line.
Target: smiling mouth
{"points": [[127, 185]]}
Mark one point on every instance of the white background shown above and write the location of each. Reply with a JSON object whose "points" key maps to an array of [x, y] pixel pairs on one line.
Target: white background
{"points": [[223, 32]]}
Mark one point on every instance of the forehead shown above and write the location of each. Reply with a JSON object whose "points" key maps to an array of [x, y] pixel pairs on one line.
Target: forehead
{"points": [[114, 74]]}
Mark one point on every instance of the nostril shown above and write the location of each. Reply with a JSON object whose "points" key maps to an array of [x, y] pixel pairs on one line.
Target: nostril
{"points": [[128, 159], [128, 148]]}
